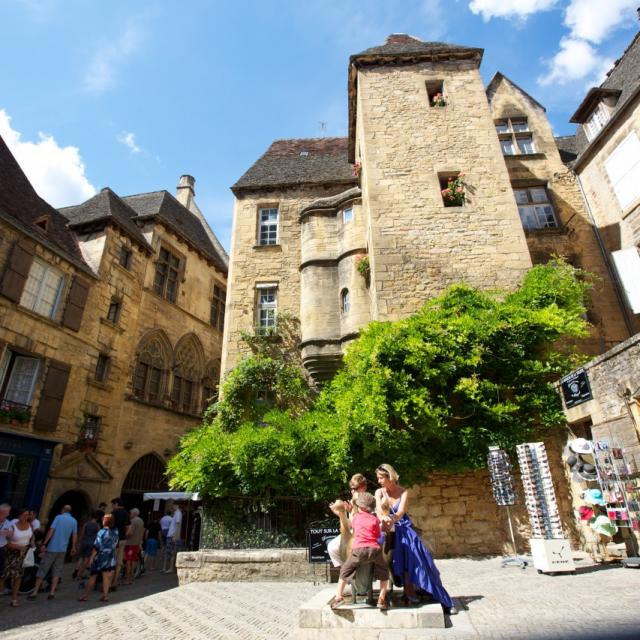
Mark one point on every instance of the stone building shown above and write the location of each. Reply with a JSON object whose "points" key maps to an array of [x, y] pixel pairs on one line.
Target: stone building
{"points": [[342, 231], [111, 333], [308, 212], [605, 156]]}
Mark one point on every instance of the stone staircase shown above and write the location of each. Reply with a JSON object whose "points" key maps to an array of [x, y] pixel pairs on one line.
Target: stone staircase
{"points": [[317, 621]]}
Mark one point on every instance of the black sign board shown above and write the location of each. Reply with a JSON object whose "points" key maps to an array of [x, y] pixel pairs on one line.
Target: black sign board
{"points": [[318, 538], [575, 388]]}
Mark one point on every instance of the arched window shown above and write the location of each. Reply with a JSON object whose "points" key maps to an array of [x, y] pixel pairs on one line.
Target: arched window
{"points": [[187, 372], [345, 301], [210, 385], [149, 378]]}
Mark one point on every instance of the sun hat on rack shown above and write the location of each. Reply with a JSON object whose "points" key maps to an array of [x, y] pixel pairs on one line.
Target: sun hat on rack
{"points": [[580, 445], [587, 471], [593, 496]]}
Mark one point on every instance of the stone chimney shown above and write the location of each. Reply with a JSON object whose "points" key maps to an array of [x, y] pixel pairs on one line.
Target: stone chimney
{"points": [[185, 192]]}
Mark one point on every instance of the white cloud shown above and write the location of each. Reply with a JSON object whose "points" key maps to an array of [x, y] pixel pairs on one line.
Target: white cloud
{"points": [[519, 9], [102, 71], [128, 139], [594, 20], [589, 23], [56, 173], [576, 60]]}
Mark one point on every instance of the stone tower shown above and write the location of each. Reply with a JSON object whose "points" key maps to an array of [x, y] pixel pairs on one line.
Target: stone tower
{"points": [[409, 142]]}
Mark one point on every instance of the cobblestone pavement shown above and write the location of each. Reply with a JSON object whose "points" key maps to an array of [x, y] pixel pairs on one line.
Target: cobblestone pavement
{"points": [[598, 602]]}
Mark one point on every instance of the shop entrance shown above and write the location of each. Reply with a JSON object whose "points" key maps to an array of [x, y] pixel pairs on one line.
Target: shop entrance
{"points": [[146, 475]]}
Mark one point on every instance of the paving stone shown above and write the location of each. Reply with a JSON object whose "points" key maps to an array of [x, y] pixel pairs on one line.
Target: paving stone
{"points": [[495, 603]]}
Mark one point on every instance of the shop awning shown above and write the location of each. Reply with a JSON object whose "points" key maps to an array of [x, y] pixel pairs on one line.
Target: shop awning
{"points": [[172, 495]]}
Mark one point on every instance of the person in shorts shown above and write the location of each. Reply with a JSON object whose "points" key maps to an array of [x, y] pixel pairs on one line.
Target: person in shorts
{"points": [[54, 550], [364, 550], [152, 538], [133, 544]]}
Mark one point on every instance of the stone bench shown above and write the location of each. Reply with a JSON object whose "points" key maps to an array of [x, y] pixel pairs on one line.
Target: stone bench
{"points": [[245, 565]]}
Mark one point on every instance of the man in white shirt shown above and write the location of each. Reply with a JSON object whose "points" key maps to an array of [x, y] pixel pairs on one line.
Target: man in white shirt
{"points": [[174, 540]]}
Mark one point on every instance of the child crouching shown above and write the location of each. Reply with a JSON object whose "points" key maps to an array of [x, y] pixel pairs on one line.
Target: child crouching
{"points": [[364, 550]]}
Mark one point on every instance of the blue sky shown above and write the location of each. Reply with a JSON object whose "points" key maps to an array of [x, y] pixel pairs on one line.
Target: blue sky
{"points": [[133, 94]]}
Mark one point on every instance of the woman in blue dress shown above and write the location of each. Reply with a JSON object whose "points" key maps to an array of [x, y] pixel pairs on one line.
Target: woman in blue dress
{"points": [[103, 558], [412, 564]]}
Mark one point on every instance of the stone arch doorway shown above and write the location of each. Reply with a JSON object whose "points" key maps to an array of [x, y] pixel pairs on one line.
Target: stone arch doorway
{"points": [[146, 474], [80, 503]]}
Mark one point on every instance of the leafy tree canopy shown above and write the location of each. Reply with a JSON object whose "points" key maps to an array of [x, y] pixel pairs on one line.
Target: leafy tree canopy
{"points": [[432, 391]]}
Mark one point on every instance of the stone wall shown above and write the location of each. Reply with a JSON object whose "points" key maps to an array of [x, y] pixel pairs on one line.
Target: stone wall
{"points": [[458, 515], [229, 565]]}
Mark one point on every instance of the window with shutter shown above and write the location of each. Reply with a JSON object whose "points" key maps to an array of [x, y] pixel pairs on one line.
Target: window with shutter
{"points": [[52, 396], [17, 271], [78, 293], [43, 288], [623, 167]]}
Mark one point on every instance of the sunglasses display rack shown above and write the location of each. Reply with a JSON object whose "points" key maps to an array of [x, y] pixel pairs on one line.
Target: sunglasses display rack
{"points": [[619, 481], [550, 549], [539, 496], [504, 493], [504, 490]]}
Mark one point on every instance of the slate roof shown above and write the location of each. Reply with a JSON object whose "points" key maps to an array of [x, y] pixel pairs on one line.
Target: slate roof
{"points": [[106, 206], [623, 77], [399, 48], [568, 148], [20, 204], [403, 45], [163, 206], [299, 161]]}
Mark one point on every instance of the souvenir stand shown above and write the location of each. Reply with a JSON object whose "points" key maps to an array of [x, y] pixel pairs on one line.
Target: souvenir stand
{"points": [[619, 481], [551, 551], [504, 492]]}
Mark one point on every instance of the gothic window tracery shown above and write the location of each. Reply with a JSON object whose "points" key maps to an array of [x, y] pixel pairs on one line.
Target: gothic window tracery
{"points": [[187, 372], [149, 378]]}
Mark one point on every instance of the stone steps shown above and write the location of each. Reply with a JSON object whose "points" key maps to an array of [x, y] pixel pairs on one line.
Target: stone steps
{"points": [[317, 620]]}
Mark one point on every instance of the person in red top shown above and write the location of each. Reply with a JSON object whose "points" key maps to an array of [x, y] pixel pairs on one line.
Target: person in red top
{"points": [[364, 550]]}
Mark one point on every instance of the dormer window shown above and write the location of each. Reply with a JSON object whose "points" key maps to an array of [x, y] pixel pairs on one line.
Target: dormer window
{"points": [[42, 222], [515, 136], [596, 121]]}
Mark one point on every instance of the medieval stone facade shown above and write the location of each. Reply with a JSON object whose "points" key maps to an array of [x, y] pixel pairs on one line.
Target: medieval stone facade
{"points": [[111, 329], [308, 212]]}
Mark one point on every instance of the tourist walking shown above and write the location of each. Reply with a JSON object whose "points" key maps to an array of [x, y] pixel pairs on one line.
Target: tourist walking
{"points": [[21, 539], [103, 558], [88, 535], [412, 563], [174, 540], [54, 549], [6, 531], [121, 523], [152, 542], [133, 545]]}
